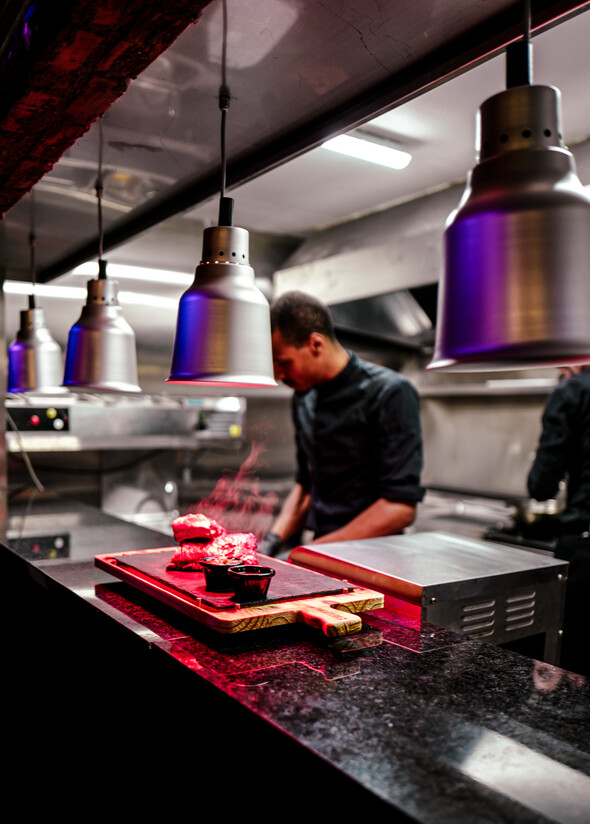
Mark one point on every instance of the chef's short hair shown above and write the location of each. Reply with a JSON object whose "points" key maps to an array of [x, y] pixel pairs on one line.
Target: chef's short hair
{"points": [[297, 315]]}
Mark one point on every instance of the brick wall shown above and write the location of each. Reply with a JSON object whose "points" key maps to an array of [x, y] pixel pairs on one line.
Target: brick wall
{"points": [[63, 65]]}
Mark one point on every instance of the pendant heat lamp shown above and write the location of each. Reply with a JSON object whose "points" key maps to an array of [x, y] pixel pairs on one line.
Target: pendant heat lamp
{"points": [[223, 325], [515, 292], [101, 351], [35, 360]]}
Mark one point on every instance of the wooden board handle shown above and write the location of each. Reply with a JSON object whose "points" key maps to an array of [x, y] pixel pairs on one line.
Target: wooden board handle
{"points": [[333, 622]]}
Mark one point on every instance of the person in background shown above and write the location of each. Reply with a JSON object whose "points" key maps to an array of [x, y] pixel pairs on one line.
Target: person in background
{"points": [[564, 454], [564, 450], [357, 433]]}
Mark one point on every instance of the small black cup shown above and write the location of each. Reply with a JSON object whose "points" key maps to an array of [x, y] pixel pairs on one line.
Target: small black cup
{"points": [[250, 583], [216, 573]]}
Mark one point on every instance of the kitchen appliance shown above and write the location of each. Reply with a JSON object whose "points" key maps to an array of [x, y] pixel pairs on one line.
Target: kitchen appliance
{"points": [[482, 590], [297, 595], [162, 430], [75, 422]]}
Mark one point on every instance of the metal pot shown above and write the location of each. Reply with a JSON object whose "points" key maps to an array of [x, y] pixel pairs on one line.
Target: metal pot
{"points": [[530, 511]]}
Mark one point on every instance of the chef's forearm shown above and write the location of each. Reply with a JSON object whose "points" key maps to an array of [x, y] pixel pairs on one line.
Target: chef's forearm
{"points": [[381, 518], [293, 513]]}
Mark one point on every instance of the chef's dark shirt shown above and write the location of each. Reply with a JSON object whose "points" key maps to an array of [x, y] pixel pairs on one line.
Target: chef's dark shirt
{"points": [[564, 450], [358, 439]]}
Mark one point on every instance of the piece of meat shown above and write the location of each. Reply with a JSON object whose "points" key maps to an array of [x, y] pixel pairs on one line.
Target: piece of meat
{"points": [[237, 546], [196, 527], [188, 556]]}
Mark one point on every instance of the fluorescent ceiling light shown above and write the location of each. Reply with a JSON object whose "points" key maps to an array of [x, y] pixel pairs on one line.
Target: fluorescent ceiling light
{"points": [[17, 287], [120, 270], [367, 149], [143, 299]]}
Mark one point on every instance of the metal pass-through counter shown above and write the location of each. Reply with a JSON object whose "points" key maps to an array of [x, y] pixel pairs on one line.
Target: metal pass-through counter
{"points": [[483, 590]]}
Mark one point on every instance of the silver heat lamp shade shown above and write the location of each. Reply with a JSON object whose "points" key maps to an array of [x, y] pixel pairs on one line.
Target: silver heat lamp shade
{"points": [[515, 291], [34, 358], [101, 344], [223, 326]]}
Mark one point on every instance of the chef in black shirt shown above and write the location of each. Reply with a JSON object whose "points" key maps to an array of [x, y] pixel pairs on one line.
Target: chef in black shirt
{"points": [[357, 432], [564, 450], [564, 453]]}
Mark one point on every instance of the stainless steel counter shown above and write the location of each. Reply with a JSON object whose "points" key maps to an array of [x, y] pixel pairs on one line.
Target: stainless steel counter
{"points": [[51, 532]]}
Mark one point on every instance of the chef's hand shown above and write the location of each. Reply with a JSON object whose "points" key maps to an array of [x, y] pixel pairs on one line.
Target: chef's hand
{"points": [[271, 545]]}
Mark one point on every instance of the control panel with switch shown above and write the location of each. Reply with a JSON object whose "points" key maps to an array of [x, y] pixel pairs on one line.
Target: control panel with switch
{"points": [[41, 419]]}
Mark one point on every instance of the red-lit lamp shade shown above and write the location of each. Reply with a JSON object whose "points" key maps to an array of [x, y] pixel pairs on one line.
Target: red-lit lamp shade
{"points": [[223, 327]]}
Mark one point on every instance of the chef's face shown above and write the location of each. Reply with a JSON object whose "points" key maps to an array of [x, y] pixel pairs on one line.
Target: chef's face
{"points": [[566, 372], [295, 366]]}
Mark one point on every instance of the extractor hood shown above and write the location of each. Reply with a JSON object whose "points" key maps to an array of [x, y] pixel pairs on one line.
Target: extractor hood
{"points": [[403, 318]]}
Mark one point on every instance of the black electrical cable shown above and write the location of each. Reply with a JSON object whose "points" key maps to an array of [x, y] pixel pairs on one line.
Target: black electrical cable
{"points": [[32, 241], [25, 458], [224, 106], [226, 204], [99, 188], [527, 20], [519, 68]]}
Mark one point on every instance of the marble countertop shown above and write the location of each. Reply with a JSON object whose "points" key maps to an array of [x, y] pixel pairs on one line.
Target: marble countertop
{"points": [[437, 727]]}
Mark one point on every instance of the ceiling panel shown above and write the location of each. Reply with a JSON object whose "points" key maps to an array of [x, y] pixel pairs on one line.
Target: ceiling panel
{"points": [[298, 71]]}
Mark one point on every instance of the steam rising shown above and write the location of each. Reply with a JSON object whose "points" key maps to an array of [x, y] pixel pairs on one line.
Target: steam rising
{"points": [[237, 503]]}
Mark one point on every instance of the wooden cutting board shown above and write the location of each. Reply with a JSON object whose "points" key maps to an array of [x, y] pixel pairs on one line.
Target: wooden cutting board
{"points": [[295, 595]]}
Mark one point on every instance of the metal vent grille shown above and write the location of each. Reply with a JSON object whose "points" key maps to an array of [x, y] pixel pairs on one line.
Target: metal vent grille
{"points": [[478, 620], [520, 611]]}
